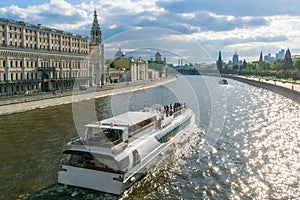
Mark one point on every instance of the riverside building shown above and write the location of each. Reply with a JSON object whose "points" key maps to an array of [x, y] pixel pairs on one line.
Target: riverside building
{"points": [[34, 58]]}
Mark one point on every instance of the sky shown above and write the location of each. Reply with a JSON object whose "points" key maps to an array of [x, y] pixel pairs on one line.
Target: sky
{"points": [[194, 30]]}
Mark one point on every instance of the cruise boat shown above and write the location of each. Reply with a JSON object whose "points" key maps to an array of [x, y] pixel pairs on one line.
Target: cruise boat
{"points": [[116, 152]]}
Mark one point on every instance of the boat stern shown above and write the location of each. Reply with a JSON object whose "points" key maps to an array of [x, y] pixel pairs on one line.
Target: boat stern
{"points": [[92, 179]]}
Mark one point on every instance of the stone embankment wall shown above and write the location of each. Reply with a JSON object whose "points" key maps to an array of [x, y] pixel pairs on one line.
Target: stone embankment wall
{"points": [[289, 93]]}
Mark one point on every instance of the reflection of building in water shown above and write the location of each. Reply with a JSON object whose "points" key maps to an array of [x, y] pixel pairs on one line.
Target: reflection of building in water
{"points": [[130, 69], [36, 58]]}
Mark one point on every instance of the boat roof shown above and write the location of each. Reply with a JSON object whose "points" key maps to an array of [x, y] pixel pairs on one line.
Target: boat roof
{"points": [[126, 119]]}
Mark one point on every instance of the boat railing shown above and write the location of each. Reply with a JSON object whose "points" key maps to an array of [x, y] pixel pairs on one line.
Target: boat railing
{"points": [[75, 139]]}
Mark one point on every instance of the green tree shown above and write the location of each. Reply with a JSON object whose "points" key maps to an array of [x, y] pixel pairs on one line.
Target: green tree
{"points": [[297, 64]]}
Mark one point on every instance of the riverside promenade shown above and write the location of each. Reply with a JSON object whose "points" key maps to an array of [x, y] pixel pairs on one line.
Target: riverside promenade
{"points": [[18, 104], [287, 89]]}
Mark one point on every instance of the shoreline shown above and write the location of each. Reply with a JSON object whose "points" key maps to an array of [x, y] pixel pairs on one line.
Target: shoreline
{"points": [[294, 94], [14, 107]]}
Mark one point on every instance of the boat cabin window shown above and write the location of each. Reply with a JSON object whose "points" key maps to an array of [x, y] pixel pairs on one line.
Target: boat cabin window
{"points": [[103, 134], [114, 135], [140, 125]]}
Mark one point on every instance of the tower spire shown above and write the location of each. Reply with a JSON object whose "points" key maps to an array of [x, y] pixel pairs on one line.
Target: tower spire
{"points": [[219, 62], [261, 57], [95, 33]]}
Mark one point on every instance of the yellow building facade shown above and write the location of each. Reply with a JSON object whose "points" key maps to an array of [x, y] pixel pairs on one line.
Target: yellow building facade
{"points": [[34, 58]]}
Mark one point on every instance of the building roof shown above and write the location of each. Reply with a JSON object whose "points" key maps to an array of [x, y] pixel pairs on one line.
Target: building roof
{"points": [[120, 53], [40, 27], [157, 53]]}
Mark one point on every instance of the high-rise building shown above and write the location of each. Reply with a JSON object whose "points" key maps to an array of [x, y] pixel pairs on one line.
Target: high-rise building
{"points": [[34, 58], [235, 59], [97, 68], [219, 62], [280, 54]]}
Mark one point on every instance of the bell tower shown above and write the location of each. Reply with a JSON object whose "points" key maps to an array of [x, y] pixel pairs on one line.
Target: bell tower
{"points": [[95, 33], [97, 70]]}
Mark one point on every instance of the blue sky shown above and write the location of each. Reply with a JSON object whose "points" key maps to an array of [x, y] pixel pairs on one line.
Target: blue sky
{"points": [[190, 28]]}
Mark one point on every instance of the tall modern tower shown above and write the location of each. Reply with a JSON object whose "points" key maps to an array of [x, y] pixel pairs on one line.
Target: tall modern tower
{"points": [[219, 62], [235, 59], [97, 70]]}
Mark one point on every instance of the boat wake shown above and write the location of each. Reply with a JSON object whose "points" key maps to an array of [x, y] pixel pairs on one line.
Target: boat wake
{"points": [[158, 179]]}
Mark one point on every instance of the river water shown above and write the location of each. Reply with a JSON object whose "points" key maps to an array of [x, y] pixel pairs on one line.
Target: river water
{"points": [[250, 149]]}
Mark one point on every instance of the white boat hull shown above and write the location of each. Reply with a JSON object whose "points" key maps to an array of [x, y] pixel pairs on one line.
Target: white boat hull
{"points": [[92, 179]]}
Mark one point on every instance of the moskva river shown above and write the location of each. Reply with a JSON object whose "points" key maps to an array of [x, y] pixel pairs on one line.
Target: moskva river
{"points": [[250, 148]]}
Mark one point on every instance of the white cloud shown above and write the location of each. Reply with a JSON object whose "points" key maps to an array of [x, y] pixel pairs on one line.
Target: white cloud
{"points": [[114, 26], [188, 15]]}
